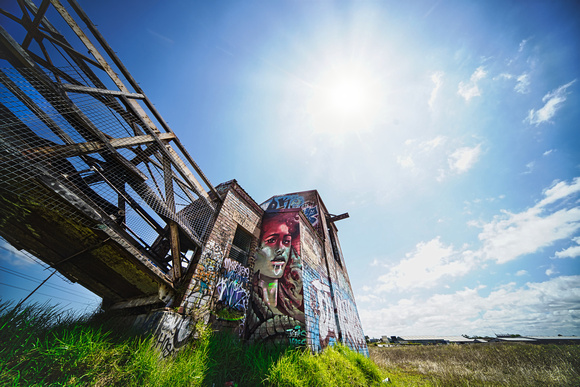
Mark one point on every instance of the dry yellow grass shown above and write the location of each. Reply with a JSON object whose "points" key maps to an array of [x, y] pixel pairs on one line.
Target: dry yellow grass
{"points": [[483, 364]]}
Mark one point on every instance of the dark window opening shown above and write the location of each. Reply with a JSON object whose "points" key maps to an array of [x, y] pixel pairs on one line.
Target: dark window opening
{"points": [[335, 251], [240, 249]]}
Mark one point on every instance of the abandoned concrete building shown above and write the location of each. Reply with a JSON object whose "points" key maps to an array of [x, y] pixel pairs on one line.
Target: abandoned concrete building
{"points": [[98, 186]]}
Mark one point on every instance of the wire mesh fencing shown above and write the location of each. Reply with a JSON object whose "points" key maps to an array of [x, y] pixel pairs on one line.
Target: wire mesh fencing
{"points": [[94, 147]]}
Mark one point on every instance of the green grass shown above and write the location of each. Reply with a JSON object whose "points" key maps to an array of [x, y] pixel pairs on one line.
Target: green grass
{"points": [[42, 346]]}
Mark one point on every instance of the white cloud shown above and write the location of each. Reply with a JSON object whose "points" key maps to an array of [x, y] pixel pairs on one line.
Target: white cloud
{"points": [[522, 45], [530, 168], [523, 84], [464, 158], [509, 236], [551, 271], [552, 102], [406, 161], [426, 266], [559, 190], [419, 151], [470, 89], [521, 273], [429, 145], [570, 252], [536, 308], [546, 153], [13, 256], [503, 76], [437, 78]]}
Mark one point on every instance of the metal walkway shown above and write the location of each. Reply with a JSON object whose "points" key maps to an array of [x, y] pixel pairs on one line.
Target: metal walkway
{"points": [[92, 180]]}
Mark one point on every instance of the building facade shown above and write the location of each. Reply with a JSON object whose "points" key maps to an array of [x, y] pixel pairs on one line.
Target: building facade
{"points": [[275, 273]]}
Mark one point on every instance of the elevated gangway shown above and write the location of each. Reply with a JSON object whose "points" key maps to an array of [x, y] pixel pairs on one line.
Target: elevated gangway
{"points": [[92, 179]]}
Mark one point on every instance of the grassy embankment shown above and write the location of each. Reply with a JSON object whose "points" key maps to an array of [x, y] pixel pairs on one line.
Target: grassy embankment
{"points": [[41, 346]]}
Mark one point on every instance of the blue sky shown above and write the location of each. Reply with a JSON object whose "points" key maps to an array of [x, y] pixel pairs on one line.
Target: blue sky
{"points": [[447, 129]]}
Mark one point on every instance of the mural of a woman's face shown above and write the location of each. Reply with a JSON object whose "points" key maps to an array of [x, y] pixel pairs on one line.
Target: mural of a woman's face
{"points": [[274, 251]]}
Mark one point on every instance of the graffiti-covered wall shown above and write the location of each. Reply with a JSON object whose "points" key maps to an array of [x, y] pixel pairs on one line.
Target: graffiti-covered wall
{"points": [[273, 274], [276, 311], [330, 312], [306, 201], [220, 286]]}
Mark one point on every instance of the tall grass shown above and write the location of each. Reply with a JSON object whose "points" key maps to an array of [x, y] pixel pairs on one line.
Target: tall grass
{"points": [[493, 364], [336, 366], [42, 346]]}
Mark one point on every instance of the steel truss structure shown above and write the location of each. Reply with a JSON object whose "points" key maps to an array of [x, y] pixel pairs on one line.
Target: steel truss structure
{"points": [[93, 180]]}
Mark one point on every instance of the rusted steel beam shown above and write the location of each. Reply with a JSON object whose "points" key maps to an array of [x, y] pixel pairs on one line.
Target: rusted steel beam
{"points": [[175, 251], [127, 114], [148, 124], [336, 218], [170, 153], [111, 102], [182, 149], [148, 218]]}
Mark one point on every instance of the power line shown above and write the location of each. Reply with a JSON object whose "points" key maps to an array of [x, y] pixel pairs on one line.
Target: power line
{"points": [[44, 294], [37, 280]]}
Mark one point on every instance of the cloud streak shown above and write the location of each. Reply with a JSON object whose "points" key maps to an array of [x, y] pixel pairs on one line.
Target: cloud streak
{"points": [[552, 103], [470, 89], [570, 252], [463, 159], [437, 79]]}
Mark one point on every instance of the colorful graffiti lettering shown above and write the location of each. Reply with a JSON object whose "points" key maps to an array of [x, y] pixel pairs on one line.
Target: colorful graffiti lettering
{"points": [[230, 289], [311, 213], [296, 336], [289, 201]]}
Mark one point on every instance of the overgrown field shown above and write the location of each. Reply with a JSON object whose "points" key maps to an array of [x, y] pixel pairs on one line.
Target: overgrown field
{"points": [[41, 346], [493, 364]]}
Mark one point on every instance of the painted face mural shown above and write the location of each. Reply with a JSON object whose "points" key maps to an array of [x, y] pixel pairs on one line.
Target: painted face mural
{"points": [[277, 282], [274, 251]]}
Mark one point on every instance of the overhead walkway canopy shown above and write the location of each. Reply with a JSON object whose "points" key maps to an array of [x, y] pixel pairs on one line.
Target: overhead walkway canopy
{"points": [[93, 180]]}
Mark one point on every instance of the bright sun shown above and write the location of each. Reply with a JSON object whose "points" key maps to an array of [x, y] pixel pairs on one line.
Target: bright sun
{"points": [[344, 102], [348, 96]]}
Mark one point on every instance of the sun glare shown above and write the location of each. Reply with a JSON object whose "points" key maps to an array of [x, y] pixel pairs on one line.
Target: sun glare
{"points": [[344, 102], [347, 96]]}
